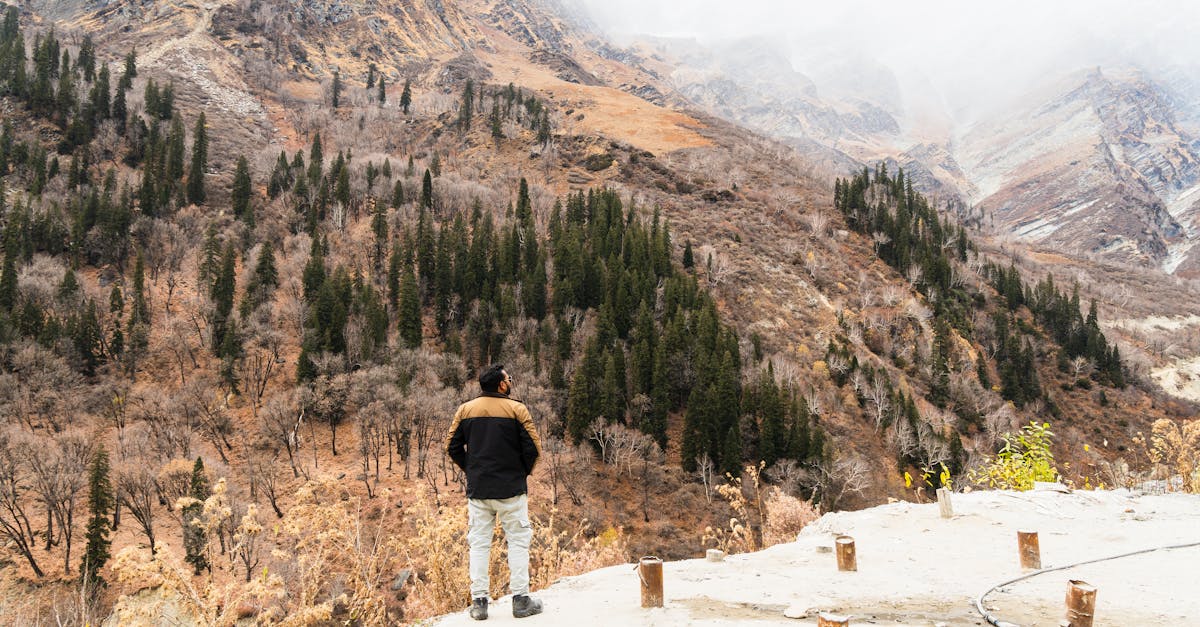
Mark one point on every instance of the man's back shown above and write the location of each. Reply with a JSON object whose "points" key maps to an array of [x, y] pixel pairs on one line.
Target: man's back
{"points": [[494, 441]]}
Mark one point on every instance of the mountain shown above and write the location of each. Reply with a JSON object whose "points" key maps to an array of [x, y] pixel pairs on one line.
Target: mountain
{"points": [[753, 82], [681, 295], [1100, 168], [1101, 164]]}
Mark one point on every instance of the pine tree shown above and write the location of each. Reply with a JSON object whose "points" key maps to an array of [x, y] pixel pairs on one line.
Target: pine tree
{"points": [[379, 226], [382, 94], [89, 339], [427, 190], [406, 96], [222, 292], [241, 191], [195, 183], [131, 64], [497, 129], [8, 283], [316, 160], [398, 194], [101, 503], [336, 89], [262, 282], [466, 109], [314, 271], [195, 540], [410, 310], [395, 268]]}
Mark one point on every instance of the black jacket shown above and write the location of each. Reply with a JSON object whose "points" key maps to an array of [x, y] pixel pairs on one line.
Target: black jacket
{"points": [[494, 441]]}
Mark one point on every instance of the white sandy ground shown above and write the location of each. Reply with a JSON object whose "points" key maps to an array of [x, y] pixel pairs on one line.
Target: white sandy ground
{"points": [[917, 569]]}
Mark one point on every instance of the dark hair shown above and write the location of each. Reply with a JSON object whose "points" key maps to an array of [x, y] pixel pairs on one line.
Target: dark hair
{"points": [[489, 380]]}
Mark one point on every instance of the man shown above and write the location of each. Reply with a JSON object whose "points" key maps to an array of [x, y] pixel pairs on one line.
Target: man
{"points": [[495, 443]]}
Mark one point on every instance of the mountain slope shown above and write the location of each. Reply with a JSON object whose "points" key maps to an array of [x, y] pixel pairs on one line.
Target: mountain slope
{"points": [[1098, 169]]}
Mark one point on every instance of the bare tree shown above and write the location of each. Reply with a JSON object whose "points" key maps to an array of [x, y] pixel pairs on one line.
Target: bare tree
{"points": [[372, 432], [14, 520], [818, 222], [261, 361], [877, 392], [705, 469], [206, 411], [70, 457], [179, 330], [833, 480], [264, 478], [137, 492], [1081, 366], [247, 540], [280, 423]]}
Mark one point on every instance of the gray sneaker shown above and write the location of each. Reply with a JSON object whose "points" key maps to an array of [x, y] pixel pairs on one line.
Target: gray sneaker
{"points": [[525, 605], [479, 608]]}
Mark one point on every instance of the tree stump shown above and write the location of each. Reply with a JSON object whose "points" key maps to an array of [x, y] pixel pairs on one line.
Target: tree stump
{"points": [[846, 557], [650, 572], [1081, 604], [1031, 552]]}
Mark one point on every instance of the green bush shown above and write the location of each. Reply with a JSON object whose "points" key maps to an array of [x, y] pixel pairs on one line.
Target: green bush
{"points": [[1024, 459]]}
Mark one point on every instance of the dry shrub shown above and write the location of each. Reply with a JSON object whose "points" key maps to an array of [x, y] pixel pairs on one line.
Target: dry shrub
{"points": [[786, 516], [340, 565], [758, 522], [175, 597], [439, 554], [738, 536], [1175, 450], [558, 552]]}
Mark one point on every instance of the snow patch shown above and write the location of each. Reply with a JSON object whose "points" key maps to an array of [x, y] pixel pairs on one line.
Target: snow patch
{"points": [[1035, 230], [1183, 202], [1177, 254], [1077, 208], [1156, 323]]}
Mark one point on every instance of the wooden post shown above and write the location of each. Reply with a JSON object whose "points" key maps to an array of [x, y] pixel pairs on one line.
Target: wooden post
{"points": [[650, 571], [847, 560], [1081, 604], [825, 619], [943, 496], [1031, 553]]}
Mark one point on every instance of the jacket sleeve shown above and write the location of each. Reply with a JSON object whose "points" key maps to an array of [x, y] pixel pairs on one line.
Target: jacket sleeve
{"points": [[531, 444], [456, 441]]}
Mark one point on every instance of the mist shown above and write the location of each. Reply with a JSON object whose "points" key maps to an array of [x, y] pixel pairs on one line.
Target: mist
{"points": [[963, 56]]}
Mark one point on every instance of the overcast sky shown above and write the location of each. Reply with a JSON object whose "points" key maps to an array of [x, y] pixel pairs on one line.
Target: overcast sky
{"points": [[970, 50]]}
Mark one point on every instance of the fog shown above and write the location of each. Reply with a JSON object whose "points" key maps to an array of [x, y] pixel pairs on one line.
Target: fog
{"points": [[972, 55]]}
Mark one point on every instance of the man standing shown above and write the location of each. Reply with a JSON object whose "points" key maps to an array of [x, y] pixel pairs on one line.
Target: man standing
{"points": [[495, 443]]}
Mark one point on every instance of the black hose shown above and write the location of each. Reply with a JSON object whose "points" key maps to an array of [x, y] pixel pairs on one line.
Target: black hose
{"points": [[987, 616]]}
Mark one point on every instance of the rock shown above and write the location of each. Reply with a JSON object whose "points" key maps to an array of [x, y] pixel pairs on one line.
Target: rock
{"points": [[401, 579]]}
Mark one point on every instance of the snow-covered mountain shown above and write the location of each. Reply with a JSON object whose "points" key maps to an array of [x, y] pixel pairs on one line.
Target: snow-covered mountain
{"points": [[1100, 163], [1099, 166]]}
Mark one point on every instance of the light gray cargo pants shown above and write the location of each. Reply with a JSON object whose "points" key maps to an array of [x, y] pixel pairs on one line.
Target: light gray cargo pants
{"points": [[513, 513]]}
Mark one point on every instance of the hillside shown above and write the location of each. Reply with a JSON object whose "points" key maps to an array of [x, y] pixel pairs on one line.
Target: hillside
{"points": [[258, 251]]}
